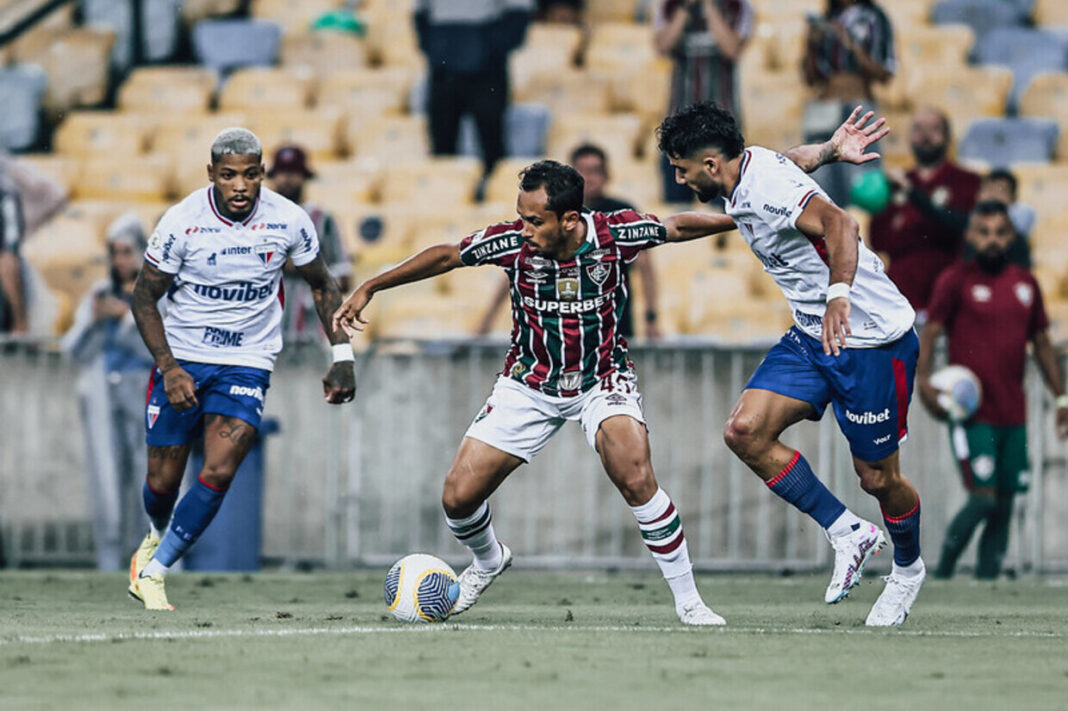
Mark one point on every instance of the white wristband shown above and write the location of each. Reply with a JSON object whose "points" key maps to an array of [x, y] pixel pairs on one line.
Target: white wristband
{"points": [[1061, 401], [342, 352], [838, 290]]}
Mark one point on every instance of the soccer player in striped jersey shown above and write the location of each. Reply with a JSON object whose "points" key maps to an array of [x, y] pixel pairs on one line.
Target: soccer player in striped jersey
{"points": [[567, 361]]}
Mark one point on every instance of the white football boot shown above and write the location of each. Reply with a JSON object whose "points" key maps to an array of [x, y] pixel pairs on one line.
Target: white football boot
{"points": [[851, 553], [699, 615], [473, 581], [893, 605]]}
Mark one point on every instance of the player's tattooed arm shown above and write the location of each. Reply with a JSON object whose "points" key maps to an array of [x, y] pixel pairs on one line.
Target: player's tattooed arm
{"points": [[841, 235], [849, 144], [686, 226], [150, 287], [339, 384], [428, 263]]}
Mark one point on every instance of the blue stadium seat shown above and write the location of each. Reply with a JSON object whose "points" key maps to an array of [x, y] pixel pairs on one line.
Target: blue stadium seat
{"points": [[1026, 52], [1002, 142], [981, 15], [159, 23], [224, 45], [21, 90]]}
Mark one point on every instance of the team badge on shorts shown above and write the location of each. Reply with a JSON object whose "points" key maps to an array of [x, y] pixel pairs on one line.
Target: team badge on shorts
{"points": [[265, 252], [153, 415]]}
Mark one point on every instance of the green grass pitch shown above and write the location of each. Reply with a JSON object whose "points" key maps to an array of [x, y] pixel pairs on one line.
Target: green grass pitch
{"points": [[578, 640]]}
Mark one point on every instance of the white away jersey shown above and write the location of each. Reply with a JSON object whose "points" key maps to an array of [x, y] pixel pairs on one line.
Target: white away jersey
{"points": [[225, 305], [771, 194]]}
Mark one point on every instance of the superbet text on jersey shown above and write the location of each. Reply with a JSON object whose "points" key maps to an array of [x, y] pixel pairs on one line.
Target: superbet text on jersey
{"points": [[225, 304]]}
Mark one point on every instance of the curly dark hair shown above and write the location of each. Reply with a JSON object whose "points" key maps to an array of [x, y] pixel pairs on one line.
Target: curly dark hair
{"points": [[698, 126], [563, 184]]}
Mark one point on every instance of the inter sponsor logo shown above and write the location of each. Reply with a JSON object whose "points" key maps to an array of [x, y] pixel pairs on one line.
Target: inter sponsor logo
{"points": [[221, 338], [565, 307], [868, 418], [234, 251], [245, 391], [242, 291]]}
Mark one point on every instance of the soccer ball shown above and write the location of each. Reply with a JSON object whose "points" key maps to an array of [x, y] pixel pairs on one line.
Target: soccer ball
{"points": [[421, 588], [959, 391]]}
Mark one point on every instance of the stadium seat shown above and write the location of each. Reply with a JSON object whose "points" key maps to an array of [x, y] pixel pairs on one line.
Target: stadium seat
{"points": [[323, 52], [621, 49], [392, 41], [1002, 142], [337, 183], [617, 134], [104, 177], [933, 50], [159, 36], [61, 169], [225, 45], [22, 89], [771, 107], [602, 11], [964, 94], [1026, 52], [438, 181], [1042, 185], [294, 16], [637, 183], [318, 132], [87, 132], [193, 11], [905, 15], [503, 182], [187, 139], [554, 43], [566, 92], [77, 63], [645, 93], [388, 138], [1051, 13], [367, 92], [1046, 96], [168, 90], [263, 90], [981, 15]]}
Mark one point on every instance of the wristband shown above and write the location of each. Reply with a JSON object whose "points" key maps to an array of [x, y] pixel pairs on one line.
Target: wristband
{"points": [[1061, 401], [343, 352], [838, 290]]}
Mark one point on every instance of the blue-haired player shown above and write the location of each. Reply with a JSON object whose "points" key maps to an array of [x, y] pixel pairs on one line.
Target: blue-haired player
{"points": [[217, 256], [839, 293]]}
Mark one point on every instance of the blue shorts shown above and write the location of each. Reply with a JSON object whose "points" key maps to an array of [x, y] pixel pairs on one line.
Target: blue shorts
{"points": [[870, 387], [232, 390]]}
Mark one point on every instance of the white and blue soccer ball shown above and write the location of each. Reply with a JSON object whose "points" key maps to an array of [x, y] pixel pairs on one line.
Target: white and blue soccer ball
{"points": [[421, 588], [959, 391]]}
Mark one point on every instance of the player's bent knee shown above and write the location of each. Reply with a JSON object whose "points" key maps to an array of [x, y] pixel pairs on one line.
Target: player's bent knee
{"points": [[458, 500], [742, 436], [218, 476]]}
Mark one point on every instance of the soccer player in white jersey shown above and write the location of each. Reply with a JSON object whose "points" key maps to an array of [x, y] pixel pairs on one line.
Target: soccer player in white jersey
{"points": [[217, 256], [852, 345]]}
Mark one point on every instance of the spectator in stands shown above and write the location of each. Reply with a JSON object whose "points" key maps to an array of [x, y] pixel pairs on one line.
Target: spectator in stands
{"points": [[918, 233], [114, 367], [467, 43], [704, 39], [288, 174], [13, 316], [1000, 185], [849, 48], [592, 163], [990, 311]]}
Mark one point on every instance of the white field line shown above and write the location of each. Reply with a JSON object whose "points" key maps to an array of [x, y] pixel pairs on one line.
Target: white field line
{"points": [[431, 629]]}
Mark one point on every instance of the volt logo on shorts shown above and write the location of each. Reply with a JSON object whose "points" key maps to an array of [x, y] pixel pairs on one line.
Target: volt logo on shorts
{"points": [[242, 291], [221, 338], [868, 418], [245, 391]]}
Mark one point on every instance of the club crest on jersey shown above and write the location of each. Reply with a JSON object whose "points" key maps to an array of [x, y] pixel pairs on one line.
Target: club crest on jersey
{"points": [[571, 381], [982, 293], [567, 287], [599, 272], [265, 252], [1024, 293], [518, 369], [153, 415]]}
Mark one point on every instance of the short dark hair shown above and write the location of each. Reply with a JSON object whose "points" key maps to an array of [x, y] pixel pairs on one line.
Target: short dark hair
{"points": [[589, 149], [698, 126], [1003, 174], [563, 184], [986, 208]]}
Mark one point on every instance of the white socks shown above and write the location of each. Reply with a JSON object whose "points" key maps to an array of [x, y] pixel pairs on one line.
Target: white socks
{"points": [[476, 532], [661, 529], [154, 567], [844, 524], [911, 570]]}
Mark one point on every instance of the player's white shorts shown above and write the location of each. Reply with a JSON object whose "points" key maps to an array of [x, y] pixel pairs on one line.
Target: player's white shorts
{"points": [[521, 421]]}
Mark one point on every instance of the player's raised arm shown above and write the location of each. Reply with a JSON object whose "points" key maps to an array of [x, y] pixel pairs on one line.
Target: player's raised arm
{"points": [[339, 385], [428, 263], [152, 283], [687, 226], [849, 144], [841, 237]]}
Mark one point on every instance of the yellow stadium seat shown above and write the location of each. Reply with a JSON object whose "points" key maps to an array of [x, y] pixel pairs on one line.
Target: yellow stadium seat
{"points": [[938, 50], [646, 93], [318, 132], [549, 50], [1043, 186], [264, 89], [1047, 96], [1050, 231], [600, 11], [440, 181], [503, 182], [109, 177], [77, 61], [168, 90], [637, 183], [388, 138], [367, 92], [1051, 13], [68, 254], [322, 52], [182, 136], [294, 16], [61, 169], [553, 40], [781, 10], [771, 105], [965, 93], [895, 94], [567, 91], [618, 135], [621, 49], [392, 41], [108, 132], [906, 15], [195, 10], [339, 182]]}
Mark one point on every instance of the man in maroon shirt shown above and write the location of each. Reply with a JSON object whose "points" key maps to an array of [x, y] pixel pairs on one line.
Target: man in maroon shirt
{"points": [[914, 231], [990, 309]]}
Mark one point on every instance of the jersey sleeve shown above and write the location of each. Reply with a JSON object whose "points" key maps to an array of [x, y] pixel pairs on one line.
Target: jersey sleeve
{"points": [[634, 231], [1039, 320], [781, 193], [945, 299], [167, 245], [303, 239], [498, 245]]}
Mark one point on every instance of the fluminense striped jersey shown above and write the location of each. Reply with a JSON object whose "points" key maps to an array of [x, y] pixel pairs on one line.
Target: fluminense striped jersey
{"points": [[565, 315]]}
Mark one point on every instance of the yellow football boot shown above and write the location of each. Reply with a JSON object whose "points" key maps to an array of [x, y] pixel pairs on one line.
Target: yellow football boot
{"points": [[150, 590]]}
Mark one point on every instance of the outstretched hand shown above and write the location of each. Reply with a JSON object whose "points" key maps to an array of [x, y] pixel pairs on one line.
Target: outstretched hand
{"points": [[348, 317], [853, 138]]}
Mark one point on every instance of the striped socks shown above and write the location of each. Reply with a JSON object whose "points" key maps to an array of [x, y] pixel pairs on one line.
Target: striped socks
{"points": [[661, 529], [476, 533]]}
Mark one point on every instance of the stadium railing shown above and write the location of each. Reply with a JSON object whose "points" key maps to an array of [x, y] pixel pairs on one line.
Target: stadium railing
{"points": [[360, 485]]}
